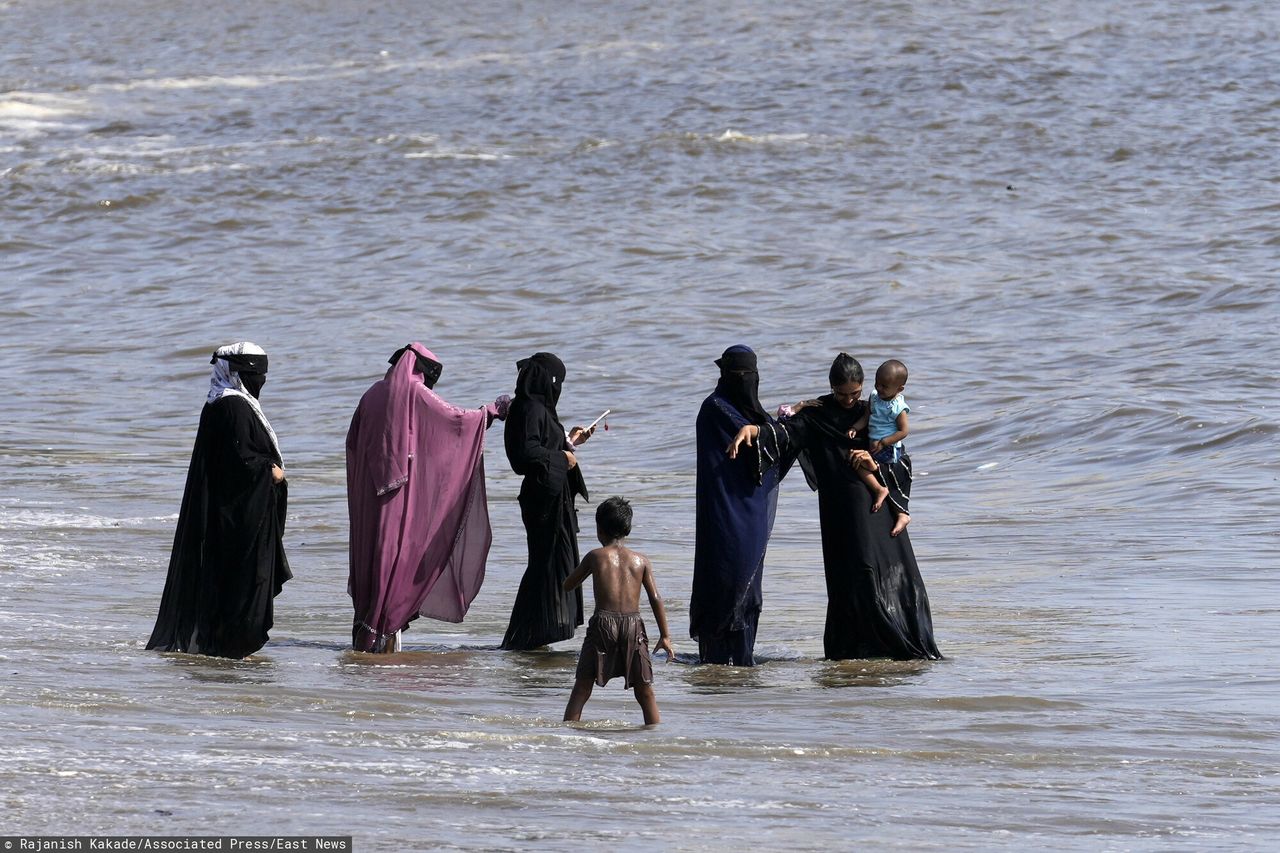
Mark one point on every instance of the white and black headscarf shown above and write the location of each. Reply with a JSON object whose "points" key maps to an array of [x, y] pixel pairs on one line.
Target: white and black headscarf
{"points": [[228, 363]]}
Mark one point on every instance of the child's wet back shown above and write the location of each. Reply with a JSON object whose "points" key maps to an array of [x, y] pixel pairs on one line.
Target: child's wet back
{"points": [[616, 578]]}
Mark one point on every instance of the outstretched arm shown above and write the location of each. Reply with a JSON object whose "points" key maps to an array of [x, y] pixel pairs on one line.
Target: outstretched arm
{"points": [[746, 435], [497, 410], [659, 612], [578, 575]]}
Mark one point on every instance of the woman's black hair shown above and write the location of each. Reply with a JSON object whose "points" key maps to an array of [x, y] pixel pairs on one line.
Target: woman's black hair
{"points": [[845, 369]]}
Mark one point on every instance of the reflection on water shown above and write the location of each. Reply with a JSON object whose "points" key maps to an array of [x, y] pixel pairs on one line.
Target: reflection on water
{"points": [[713, 679], [255, 669], [868, 673]]}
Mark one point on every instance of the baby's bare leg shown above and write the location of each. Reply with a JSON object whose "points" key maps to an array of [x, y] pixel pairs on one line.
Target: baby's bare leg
{"points": [[578, 698], [648, 703], [900, 523], [878, 492]]}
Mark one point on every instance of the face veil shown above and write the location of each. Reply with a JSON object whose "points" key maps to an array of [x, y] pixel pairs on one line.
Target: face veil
{"points": [[740, 382]]}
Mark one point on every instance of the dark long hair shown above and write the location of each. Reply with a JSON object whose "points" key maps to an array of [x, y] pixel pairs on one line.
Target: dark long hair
{"points": [[845, 369]]}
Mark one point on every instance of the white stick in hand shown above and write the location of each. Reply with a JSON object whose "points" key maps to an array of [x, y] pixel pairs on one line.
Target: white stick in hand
{"points": [[597, 420]]}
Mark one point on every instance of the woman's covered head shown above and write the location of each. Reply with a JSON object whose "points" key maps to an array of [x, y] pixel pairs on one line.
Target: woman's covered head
{"points": [[541, 378], [740, 382], [241, 366], [425, 362]]}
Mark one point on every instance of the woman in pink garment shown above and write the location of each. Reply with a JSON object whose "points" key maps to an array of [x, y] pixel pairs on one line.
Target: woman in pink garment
{"points": [[415, 491]]}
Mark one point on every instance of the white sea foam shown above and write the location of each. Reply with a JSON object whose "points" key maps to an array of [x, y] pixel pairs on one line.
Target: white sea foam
{"points": [[238, 81], [54, 519], [423, 138], [38, 106], [455, 155], [27, 114], [764, 138]]}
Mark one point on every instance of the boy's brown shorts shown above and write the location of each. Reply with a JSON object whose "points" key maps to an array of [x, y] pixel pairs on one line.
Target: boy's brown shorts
{"points": [[616, 644]]}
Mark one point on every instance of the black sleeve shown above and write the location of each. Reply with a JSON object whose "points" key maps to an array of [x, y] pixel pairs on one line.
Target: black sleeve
{"points": [[539, 451], [778, 445]]}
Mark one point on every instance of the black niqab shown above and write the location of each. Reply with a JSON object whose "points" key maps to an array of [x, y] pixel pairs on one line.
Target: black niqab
{"points": [[740, 383], [253, 383]]}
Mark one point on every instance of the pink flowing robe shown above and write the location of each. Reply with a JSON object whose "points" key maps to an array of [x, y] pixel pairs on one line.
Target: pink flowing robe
{"points": [[415, 492]]}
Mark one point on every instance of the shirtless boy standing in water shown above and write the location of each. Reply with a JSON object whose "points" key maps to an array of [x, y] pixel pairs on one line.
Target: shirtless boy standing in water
{"points": [[616, 642]]}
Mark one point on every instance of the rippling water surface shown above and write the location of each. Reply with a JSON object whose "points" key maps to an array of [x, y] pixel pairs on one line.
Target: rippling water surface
{"points": [[1061, 215]]}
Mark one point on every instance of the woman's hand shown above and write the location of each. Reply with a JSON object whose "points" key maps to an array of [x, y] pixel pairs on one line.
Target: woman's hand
{"points": [[578, 435], [806, 404], [746, 435], [277, 474], [572, 460], [862, 459]]}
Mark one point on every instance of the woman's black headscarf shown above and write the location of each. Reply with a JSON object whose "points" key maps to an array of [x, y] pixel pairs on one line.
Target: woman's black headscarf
{"points": [[740, 382], [541, 378]]}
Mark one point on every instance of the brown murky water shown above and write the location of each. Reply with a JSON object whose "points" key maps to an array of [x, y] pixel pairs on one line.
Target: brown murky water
{"points": [[1062, 216]]}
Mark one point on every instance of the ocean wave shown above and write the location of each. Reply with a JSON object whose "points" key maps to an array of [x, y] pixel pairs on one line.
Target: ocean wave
{"points": [[50, 519]]}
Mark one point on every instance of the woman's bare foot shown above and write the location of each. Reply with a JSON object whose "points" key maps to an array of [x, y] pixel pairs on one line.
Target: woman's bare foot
{"points": [[900, 524], [878, 495]]}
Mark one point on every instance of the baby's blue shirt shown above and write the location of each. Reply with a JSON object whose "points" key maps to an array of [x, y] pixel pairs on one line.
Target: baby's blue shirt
{"points": [[884, 416]]}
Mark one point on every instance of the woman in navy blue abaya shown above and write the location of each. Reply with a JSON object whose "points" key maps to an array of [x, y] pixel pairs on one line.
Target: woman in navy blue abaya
{"points": [[736, 501]]}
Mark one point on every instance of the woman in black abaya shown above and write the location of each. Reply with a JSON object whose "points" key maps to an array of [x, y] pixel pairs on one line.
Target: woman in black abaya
{"points": [[228, 561], [877, 605], [540, 453]]}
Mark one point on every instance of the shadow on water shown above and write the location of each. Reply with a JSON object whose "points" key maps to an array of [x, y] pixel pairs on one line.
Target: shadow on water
{"points": [[869, 673], [549, 669], [210, 670], [422, 670], [307, 644], [718, 678]]}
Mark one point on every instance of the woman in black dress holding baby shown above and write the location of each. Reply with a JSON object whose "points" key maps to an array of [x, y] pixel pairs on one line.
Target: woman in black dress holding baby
{"points": [[876, 601]]}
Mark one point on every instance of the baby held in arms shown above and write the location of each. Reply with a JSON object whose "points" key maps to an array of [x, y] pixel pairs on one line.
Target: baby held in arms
{"points": [[884, 422]]}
